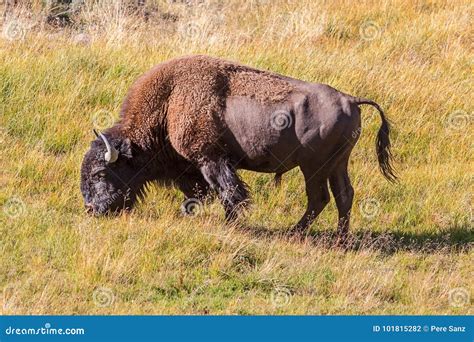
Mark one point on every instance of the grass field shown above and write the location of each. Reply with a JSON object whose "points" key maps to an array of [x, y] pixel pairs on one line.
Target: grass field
{"points": [[411, 250]]}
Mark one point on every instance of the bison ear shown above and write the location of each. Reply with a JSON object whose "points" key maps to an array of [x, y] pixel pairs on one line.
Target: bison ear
{"points": [[126, 148]]}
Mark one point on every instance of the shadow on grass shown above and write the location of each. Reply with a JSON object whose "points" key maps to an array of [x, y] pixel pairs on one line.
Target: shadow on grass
{"points": [[457, 239]]}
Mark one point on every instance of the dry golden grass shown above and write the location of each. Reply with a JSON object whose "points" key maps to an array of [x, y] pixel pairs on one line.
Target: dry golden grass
{"points": [[412, 242]]}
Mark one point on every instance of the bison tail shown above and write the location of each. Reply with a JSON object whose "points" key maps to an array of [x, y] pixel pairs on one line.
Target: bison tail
{"points": [[382, 143]]}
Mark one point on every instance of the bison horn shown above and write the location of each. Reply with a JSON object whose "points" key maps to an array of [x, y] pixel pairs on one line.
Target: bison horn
{"points": [[112, 154]]}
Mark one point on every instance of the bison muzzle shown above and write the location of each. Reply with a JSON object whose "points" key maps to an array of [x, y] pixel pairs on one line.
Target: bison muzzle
{"points": [[193, 121]]}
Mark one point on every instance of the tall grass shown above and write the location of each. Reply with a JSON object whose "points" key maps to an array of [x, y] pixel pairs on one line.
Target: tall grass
{"points": [[411, 248]]}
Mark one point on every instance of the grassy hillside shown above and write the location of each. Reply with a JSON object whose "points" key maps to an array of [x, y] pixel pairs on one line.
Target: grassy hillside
{"points": [[411, 250]]}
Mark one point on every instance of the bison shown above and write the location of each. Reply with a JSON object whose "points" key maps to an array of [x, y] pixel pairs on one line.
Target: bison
{"points": [[194, 121]]}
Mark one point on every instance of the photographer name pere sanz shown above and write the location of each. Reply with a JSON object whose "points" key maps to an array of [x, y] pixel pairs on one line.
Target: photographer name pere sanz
{"points": [[450, 328], [418, 328]]}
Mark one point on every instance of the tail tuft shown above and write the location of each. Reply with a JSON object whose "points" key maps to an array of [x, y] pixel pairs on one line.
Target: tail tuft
{"points": [[382, 143]]}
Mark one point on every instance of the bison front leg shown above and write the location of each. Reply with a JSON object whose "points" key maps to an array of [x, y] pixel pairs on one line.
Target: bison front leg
{"points": [[195, 190], [232, 192], [318, 197]]}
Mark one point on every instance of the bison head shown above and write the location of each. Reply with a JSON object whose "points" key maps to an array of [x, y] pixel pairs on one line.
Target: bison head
{"points": [[108, 176]]}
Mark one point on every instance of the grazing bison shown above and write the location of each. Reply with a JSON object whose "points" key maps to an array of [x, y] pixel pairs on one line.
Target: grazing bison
{"points": [[193, 121]]}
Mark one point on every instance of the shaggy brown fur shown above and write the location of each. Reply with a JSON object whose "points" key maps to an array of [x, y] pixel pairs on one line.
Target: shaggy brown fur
{"points": [[185, 97]]}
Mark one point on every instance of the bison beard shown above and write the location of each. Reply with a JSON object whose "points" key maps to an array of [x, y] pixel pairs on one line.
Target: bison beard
{"points": [[193, 121]]}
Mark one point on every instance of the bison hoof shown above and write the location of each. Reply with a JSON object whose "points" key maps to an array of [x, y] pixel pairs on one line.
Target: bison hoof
{"points": [[297, 231]]}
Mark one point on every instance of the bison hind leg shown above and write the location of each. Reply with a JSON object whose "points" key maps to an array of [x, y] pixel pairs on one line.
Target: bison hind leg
{"points": [[344, 194], [318, 197], [232, 191]]}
